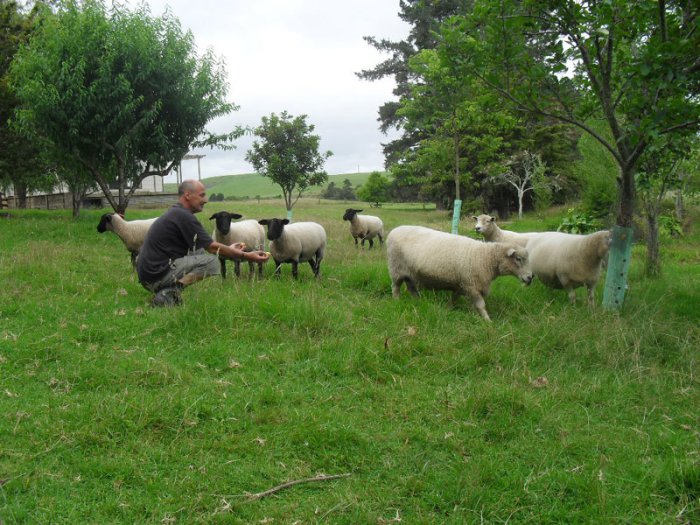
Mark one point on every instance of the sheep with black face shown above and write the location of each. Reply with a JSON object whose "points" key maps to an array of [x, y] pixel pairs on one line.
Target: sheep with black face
{"points": [[132, 233], [248, 232], [365, 227], [295, 243]]}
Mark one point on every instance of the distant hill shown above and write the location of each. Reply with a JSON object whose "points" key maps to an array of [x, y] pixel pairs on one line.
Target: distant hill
{"points": [[251, 185]]}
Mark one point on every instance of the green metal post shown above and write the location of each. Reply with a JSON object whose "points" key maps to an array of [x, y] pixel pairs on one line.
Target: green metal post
{"points": [[455, 216], [618, 265], [289, 215]]}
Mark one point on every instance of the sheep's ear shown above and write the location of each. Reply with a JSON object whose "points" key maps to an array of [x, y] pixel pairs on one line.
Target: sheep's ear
{"points": [[263, 222], [492, 219], [236, 215], [358, 211], [475, 217], [285, 221], [511, 252], [213, 217]]}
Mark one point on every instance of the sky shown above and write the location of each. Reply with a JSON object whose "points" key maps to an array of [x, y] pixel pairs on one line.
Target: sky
{"points": [[298, 56]]}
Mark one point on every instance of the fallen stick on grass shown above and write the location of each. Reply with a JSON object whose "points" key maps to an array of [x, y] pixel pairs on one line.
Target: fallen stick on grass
{"points": [[260, 495]]}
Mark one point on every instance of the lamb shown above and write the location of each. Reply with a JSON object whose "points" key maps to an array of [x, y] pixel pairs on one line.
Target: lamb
{"points": [[431, 259], [565, 260], [132, 233], [486, 225], [295, 243], [365, 227], [249, 232]]}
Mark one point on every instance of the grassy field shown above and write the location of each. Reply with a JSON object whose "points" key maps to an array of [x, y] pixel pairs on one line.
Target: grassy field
{"points": [[113, 412], [252, 185]]}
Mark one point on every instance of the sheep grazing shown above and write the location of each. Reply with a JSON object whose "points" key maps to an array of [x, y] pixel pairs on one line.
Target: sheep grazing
{"points": [[565, 260], [249, 232], [435, 260], [132, 233], [365, 227], [295, 243], [486, 225]]}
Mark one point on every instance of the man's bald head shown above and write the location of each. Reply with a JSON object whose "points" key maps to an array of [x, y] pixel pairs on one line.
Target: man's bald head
{"points": [[190, 185]]}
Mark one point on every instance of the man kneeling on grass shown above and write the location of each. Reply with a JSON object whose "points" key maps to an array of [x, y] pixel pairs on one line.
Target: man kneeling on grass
{"points": [[178, 251]]}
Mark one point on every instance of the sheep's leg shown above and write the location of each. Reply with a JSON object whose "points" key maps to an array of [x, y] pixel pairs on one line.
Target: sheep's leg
{"points": [[278, 267], [355, 241], [591, 295], [237, 267], [295, 269], [381, 239], [396, 288], [371, 244], [222, 263], [260, 270], [480, 305], [572, 295], [134, 256]]}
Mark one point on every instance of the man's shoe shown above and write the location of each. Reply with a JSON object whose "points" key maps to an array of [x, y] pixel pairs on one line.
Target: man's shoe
{"points": [[167, 297]]}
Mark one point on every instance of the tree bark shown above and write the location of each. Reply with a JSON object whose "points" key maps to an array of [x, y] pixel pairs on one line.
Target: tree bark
{"points": [[653, 268], [625, 213]]}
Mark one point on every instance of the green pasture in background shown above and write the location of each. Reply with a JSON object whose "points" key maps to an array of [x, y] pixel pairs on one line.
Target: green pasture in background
{"points": [[252, 185], [114, 412]]}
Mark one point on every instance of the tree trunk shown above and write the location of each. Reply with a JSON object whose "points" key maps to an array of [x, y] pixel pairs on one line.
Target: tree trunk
{"points": [[76, 201], [680, 206], [625, 213], [521, 194], [21, 195], [653, 268]]}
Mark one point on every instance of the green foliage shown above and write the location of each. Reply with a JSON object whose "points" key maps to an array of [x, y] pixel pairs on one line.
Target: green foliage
{"points": [[122, 93], [376, 188], [670, 225], [346, 193], [579, 222], [113, 412], [288, 154]]}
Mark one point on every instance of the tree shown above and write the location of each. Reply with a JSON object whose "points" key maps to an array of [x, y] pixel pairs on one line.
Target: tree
{"points": [[525, 172], [632, 64], [425, 19], [122, 93], [332, 192], [660, 171], [287, 153], [346, 192], [375, 189], [21, 164]]}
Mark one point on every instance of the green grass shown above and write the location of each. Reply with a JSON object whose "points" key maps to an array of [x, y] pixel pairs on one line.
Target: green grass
{"points": [[252, 185], [113, 412]]}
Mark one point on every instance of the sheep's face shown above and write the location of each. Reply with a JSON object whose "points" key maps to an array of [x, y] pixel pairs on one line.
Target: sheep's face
{"points": [[275, 227], [223, 220], [350, 214], [105, 223], [517, 263], [484, 223]]}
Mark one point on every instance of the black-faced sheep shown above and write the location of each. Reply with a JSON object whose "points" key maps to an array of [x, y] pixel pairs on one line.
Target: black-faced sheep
{"points": [[249, 232], [486, 225], [295, 243], [132, 233], [435, 260], [365, 227], [565, 260]]}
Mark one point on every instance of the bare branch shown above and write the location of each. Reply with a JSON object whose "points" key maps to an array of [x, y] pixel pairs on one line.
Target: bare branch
{"points": [[260, 495]]}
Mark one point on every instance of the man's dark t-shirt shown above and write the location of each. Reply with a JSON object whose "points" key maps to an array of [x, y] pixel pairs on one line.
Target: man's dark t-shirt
{"points": [[173, 235]]}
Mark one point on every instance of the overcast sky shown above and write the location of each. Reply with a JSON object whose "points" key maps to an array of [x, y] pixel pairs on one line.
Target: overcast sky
{"points": [[300, 56]]}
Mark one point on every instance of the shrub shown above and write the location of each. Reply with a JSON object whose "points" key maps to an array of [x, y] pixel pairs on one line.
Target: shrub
{"points": [[579, 222]]}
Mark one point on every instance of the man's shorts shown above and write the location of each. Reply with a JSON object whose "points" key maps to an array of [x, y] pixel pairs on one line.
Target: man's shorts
{"points": [[200, 263]]}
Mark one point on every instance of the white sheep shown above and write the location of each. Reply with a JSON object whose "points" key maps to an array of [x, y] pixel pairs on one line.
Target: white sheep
{"points": [[295, 243], [569, 261], [249, 232], [435, 260], [365, 227], [486, 225], [132, 233]]}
